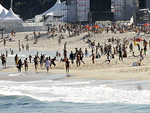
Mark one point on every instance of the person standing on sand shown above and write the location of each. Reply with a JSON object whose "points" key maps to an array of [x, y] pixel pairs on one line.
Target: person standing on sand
{"points": [[86, 52], [145, 46], [72, 57], [36, 63], [108, 57], [4, 42], [93, 57], [3, 58], [27, 47], [65, 45], [141, 56], [6, 53], [30, 57], [48, 30], [59, 41], [22, 47], [26, 64], [67, 66], [120, 55], [41, 60], [81, 55], [47, 64], [53, 61], [65, 53], [16, 60], [138, 47], [19, 65], [12, 52], [19, 45], [78, 60], [131, 47]]}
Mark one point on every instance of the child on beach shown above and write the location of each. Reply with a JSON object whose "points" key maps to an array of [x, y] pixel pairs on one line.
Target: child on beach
{"points": [[30, 57], [47, 64], [86, 52]]}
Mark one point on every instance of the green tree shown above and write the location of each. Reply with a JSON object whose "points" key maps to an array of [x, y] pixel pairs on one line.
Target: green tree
{"points": [[27, 9], [44, 18]]}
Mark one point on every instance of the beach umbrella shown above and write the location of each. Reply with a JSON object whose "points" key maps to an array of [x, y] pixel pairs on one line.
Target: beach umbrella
{"points": [[96, 26], [88, 27], [139, 40], [146, 24], [100, 26]]}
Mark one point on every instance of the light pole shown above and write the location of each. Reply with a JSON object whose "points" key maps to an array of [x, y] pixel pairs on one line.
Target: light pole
{"points": [[11, 4]]}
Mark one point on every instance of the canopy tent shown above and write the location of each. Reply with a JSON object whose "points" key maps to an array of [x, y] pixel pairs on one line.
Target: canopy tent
{"points": [[52, 8], [131, 21], [11, 17], [56, 10], [3, 14], [1, 9], [63, 19]]}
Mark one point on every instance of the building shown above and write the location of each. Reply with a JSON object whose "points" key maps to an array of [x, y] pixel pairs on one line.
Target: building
{"points": [[142, 15], [123, 9], [147, 2], [77, 10]]}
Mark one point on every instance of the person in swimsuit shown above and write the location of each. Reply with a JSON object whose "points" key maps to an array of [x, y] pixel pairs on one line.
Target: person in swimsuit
{"points": [[19, 65], [36, 63], [67, 66], [16, 60], [26, 64]]}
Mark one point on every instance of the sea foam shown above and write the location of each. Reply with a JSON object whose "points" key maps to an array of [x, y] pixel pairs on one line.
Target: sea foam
{"points": [[87, 91]]}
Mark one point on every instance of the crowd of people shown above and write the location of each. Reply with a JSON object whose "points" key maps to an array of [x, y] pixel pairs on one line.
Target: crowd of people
{"points": [[113, 47]]}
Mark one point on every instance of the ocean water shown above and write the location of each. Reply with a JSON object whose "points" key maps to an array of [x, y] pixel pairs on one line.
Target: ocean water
{"points": [[45, 93], [58, 95]]}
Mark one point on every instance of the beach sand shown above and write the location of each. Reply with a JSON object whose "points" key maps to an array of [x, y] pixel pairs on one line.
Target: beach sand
{"points": [[100, 70]]}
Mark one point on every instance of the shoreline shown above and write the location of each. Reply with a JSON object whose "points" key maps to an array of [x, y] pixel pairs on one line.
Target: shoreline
{"points": [[104, 74]]}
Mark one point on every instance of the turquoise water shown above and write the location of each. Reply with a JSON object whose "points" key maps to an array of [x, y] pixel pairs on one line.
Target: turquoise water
{"points": [[22, 104]]}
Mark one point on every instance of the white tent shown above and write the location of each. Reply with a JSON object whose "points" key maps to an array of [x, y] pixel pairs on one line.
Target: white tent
{"points": [[11, 17], [1, 9], [52, 9], [3, 14], [63, 19], [57, 10], [131, 21]]}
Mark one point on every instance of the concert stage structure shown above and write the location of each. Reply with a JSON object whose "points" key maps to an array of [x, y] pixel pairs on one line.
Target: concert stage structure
{"points": [[81, 11], [88, 10]]}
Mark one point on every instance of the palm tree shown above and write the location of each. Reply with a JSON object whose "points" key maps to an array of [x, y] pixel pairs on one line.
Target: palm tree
{"points": [[44, 18]]}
